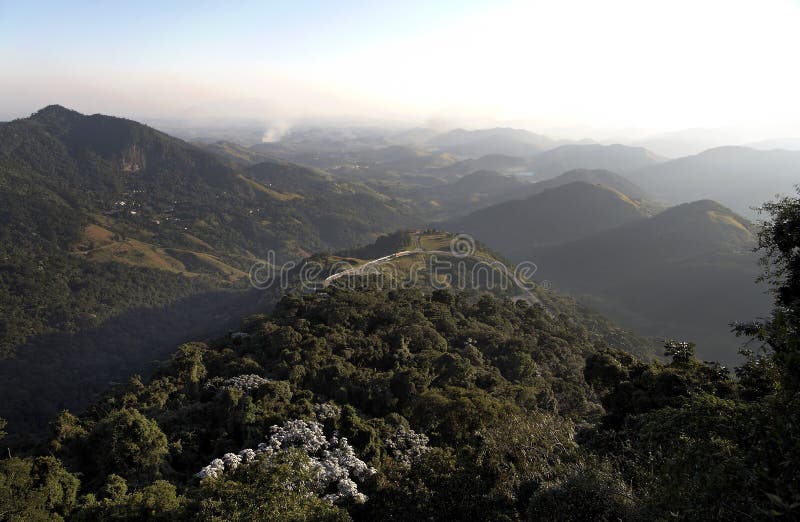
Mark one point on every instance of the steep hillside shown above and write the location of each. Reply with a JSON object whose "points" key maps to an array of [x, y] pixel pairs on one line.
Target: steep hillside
{"points": [[616, 158], [554, 216], [687, 273], [119, 240], [98, 188], [328, 213], [477, 272], [79, 189], [738, 177]]}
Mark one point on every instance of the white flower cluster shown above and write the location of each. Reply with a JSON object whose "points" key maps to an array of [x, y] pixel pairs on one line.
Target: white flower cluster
{"points": [[407, 446], [326, 411], [335, 467], [346, 489], [228, 462], [245, 382], [296, 433], [333, 461]]}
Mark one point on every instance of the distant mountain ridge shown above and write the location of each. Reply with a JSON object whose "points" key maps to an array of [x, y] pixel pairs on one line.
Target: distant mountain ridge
{"points": [[557, 215], [686, 272], [501, 140], [477, 190], [491, 162], [738, 177], [616, 158], [595, 177]]}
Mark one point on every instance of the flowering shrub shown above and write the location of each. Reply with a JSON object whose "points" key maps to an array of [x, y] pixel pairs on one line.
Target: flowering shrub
{"points": [[333, 461], [326, 411], [298, 433], [407, 446], [245, 382]]}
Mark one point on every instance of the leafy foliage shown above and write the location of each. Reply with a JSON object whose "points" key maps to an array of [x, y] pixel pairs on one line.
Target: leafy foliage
{"points": [[467, 408]]}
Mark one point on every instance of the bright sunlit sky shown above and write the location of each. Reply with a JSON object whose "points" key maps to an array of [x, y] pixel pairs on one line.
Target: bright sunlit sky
{"points": [[611, 64]]}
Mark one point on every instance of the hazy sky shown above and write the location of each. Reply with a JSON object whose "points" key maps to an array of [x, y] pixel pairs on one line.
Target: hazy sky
{"points": [[610, 64]]}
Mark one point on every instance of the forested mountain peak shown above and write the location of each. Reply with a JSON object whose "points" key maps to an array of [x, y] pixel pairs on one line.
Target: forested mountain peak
{"points": [[595, 177], [129, 146], [706, 220], [556, 215], [54, 112]]}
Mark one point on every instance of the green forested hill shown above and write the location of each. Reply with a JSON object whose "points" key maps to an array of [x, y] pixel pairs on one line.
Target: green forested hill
{"points": [[103, 218], [602, 177], [455, 372], [358, 403], [557, 215], [369, 405], [687, 272], [81, 190], [161, 190]]}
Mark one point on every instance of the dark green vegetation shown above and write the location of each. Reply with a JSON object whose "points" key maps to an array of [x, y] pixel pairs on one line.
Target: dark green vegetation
{"points": [[459, 371], [80, 188], [687, 271], [526, 416], [554, 216], [383, 246], [667, 275], [117, 241]]}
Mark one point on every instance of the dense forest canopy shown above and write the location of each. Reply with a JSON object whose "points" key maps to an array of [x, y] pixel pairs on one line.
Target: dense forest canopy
{"points": [[370, 404]]}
